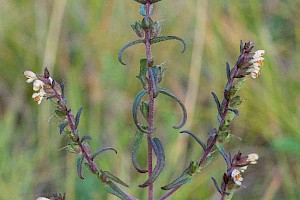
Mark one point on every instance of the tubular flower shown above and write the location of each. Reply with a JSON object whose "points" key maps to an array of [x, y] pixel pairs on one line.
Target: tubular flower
{"points": [[252, 158], [255, 63], [30, 75], [38, 86], [237, 177]]}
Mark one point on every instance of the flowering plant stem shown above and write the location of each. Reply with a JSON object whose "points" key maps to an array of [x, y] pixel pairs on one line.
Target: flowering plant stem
{"points": [[151, 101]]}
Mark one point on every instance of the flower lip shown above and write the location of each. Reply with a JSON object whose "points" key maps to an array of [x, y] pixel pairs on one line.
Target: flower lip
{"points": [[237, 177], [252, 158], [30, 75], [37, 85]]}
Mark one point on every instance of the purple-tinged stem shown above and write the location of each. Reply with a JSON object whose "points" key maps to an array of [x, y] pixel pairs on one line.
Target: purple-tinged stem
{"points": [[151, 101]]}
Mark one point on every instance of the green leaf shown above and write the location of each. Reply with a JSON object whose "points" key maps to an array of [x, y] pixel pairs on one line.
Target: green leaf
{"points": [[144, 108], [216, 185], [114, 178], [228, 71], [61, 113], [217, 102], [224, 154], [164, 38], [62, 126], [134, 150], [160, 155], [79, 160], [170, 94], [111, 188], [196, 138], [143, 73], [102, 150], [85, 137], [235, 101], [135, 106], [126, 46], [77, 118], [153, 74], [184, 178]]}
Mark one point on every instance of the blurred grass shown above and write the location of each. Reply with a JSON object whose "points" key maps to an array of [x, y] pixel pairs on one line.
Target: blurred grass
{"points": [[89, 37]]}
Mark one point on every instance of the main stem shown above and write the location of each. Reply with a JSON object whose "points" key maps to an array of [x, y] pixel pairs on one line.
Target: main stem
{"points": [[151, 100]]}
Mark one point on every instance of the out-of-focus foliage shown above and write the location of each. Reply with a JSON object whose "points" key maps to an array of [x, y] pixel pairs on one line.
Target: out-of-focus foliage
{"points": [[85, 55]]}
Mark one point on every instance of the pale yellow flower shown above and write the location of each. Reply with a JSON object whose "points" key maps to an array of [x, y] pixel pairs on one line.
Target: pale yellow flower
{"points": [[252, 158]]}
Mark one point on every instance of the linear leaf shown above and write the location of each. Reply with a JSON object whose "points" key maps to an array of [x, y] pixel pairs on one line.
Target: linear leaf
{"points": [[102, 150], [77, 118], [223, 153], [170, 94], [196, 138], [62, 126], [135, 147], [79, 160], [160, 155], [164, 38], [126, 46], [135, 106], [114, 178], [115, 190]]}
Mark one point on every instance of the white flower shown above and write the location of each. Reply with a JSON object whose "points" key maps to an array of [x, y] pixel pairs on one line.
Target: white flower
{"points": [[30, 75], [237, 177], [252, 158], [37, 85], [38, 96], [255, 63], [242, 169], [42, 198]]}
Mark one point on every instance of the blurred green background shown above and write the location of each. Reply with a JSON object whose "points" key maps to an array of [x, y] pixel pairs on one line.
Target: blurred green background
{"points": [[79, 40]]}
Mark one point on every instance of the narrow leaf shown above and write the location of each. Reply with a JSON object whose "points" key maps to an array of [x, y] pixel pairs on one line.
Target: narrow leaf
{"points": [[223, 153], [144, 108], [135, 147], [79, 160], [102, 150], [114, 178], [62, 126], [217, 102], [160, 155], [85, 137], [235, 111], [184, 178], [111, 188], [164, 38], [216, 185], [153, 74], [135, 106], [77, 118], [61, 113], [228, 71], [241, 46], [126, 46], [196, 138], [170, 94]]}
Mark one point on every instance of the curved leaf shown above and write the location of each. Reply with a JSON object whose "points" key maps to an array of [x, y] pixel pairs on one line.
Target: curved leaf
{"points": [[135, 147], [216, 185], [135, 106], [85, 137], [79, 160], [62, 126], [170, 94], [126, 46], [114, 178], [196, 138], [102, 150], [77, 118], [228, 71], [160, 155], [164, 38], [224, 154]]}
